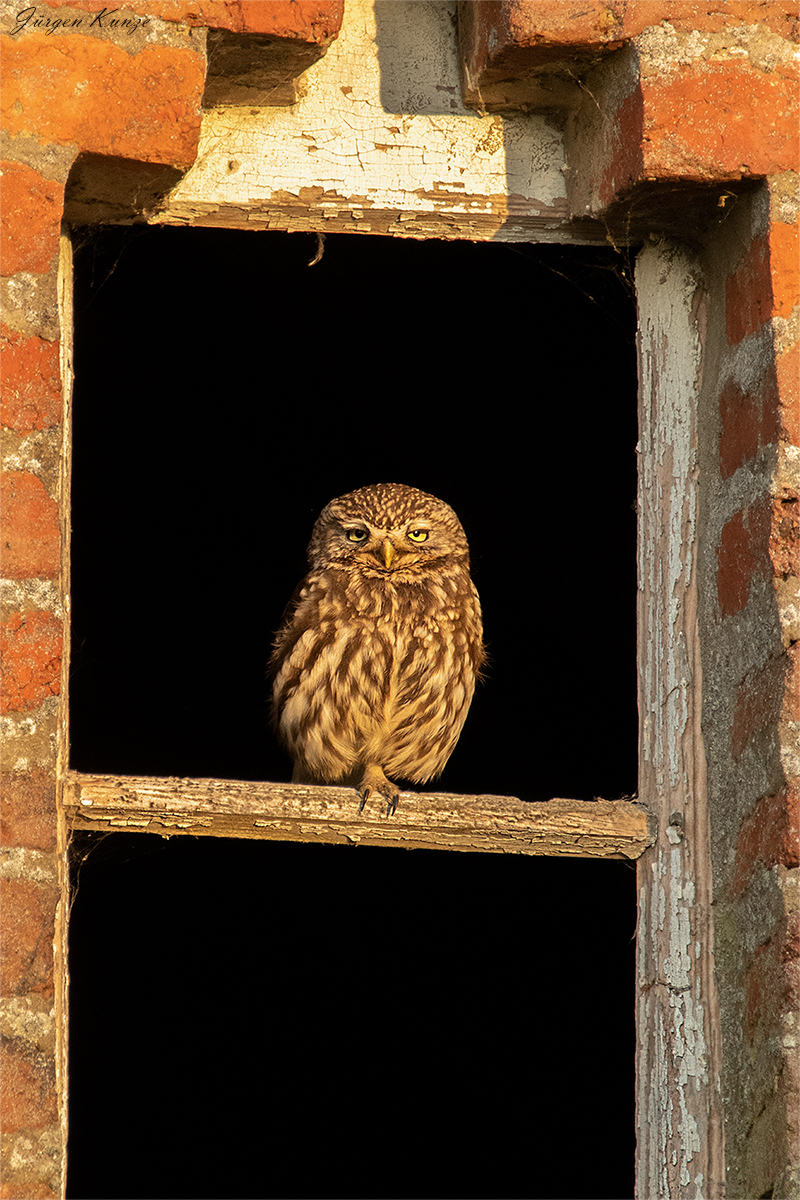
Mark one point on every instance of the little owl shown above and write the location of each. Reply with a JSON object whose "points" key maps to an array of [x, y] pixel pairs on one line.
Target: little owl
{"points": [[375, 664]]}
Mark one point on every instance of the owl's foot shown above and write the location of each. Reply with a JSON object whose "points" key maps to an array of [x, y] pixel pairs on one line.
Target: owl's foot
{"points": [[374, 780]]}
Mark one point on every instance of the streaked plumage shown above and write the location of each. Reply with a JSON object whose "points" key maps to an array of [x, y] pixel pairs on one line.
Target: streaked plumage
{"points": [[375, 664]]}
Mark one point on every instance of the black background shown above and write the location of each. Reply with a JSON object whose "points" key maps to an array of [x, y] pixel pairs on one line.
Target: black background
{"points": [[253, 1019]]}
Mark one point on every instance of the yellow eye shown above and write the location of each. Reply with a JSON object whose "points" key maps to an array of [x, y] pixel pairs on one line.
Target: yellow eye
{"points": [[418, 535], [356, 535]]}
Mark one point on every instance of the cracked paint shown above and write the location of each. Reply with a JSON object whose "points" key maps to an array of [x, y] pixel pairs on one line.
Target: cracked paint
{"points": [[434, 169], [677, 1071]]}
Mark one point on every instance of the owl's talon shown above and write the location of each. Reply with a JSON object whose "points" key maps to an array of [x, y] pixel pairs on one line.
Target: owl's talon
{"points": [[391, 801]]}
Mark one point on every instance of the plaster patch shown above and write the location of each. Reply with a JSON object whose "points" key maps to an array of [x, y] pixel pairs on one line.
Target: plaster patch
{"points": [[17, 862], [21, 595]]}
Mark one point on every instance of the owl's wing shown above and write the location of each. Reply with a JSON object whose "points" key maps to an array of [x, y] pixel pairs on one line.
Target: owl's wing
{"points": [[285, 631]]}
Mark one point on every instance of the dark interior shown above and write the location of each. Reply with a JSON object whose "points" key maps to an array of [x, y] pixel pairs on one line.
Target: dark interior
{"points": [[266, 1019]]}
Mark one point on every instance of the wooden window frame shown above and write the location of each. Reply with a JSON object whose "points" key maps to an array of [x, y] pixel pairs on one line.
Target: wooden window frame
{"points": [[666, 831]]}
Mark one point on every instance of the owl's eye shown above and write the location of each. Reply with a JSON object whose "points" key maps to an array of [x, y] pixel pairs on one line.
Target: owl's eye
{"points": [[356, 535], [418, 535]]}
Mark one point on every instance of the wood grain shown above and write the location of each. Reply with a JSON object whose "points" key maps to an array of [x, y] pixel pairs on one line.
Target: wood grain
{"points": [[306, 813]]}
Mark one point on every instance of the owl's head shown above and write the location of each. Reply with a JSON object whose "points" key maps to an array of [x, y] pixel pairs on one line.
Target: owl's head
{"points": [[387, 529]]}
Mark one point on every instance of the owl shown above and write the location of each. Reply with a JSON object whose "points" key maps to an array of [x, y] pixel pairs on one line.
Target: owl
{"points": [[375, 664]]}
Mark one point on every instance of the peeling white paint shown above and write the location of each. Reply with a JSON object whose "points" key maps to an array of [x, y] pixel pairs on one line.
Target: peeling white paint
{"points": [[669, 367], [380, 143], [680, 1150]]}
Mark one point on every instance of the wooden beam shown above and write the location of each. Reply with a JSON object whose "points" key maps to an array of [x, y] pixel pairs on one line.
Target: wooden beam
{"points": [[306, 813], [680, 1116]]}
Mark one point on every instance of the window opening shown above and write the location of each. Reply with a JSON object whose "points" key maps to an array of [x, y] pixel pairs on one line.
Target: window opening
{"points": [[259, 1019], [224, 393]]}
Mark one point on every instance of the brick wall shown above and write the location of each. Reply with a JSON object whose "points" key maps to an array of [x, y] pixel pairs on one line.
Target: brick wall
{"points": [[680, 100], [675, 108], [131, 93], [750, 626]]}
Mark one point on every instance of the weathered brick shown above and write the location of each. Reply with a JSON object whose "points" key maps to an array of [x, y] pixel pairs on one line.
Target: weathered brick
{"points": [[27, 1189], [31, 539], [32, 209], [598, 18], [788, 378], [784, 261], [311, 20], [93, 94], [625, 159], [27, 922], [740, 432], [789, 709], [771, 986], [502, 40], [30, 382], [742, 555], [748, 293], [552, 24], [600, 23], [706, 121], [28, 809], [31, 645], [748, 421], [758, 703], [784, 537], [768, 836], [781, 18], [27, 1088]]}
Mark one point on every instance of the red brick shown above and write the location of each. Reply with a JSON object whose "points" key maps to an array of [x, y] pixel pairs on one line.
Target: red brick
{"points": [[27, 923], [771, 985], [30, 382], [28, 810], [28, 1091], [27, 1189], [31, 538], [32, 211], [784, 537], [742, 553], [309, 20], [782, 18], [792, 691], [788, 379], [626, 161], [768, 837], [601, 23], [748, 293], [741, 428], [748, 421], [31, 645], [79, 90], [758, 703], [784, 259], [567, 25], [707, 121]]}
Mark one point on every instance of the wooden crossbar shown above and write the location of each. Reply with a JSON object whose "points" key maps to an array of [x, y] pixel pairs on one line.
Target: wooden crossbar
{"points": [[306, 813]]}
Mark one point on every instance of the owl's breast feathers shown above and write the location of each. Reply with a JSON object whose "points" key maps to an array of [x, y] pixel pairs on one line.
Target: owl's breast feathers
{"points": [[372, 666]]}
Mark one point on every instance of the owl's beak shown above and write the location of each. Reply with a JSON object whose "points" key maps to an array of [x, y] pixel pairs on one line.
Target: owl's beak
{"points": [[388, 554]]}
